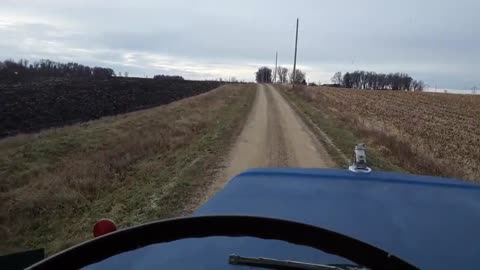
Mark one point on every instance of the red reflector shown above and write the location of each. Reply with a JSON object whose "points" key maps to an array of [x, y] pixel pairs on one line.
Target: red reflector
{"points": [[104, 226]]}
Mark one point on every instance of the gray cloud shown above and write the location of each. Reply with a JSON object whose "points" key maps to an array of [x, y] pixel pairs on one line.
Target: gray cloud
{"points": [[432, 40]]}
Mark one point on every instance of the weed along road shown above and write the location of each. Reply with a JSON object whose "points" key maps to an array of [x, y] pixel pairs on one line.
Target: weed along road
{"points": [[274, 136]]}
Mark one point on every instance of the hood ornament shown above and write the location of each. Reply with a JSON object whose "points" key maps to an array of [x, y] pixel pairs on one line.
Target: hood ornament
{"points": [[359, 163]]}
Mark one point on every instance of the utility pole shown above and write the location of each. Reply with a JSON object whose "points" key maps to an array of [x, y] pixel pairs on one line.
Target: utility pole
{"points": [[275, 74], [295, 57]]}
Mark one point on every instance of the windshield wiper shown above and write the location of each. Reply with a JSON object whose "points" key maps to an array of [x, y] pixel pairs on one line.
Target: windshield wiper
{"points": [[287, 265]]}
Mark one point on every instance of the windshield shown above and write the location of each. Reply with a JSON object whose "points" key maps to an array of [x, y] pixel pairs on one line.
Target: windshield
{"points": [[138, 111]]}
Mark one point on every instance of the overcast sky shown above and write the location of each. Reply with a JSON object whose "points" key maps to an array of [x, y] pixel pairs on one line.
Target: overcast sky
{"points": [[433, 40]]}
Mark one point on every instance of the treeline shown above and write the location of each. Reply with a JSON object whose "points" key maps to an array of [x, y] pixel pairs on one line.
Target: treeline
{"points": [[168, 77], [377, 81], [265, 75], [14, 71]]}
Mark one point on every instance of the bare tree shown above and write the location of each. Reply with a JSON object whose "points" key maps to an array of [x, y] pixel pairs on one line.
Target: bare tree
{"points": [[300, 77], [337, 78], [421, 85], [263, 75], [282, 73], [417, 85]]}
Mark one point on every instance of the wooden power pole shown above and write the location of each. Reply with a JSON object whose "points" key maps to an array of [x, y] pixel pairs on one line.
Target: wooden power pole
{"points": [[295, 57], [275, 74]]}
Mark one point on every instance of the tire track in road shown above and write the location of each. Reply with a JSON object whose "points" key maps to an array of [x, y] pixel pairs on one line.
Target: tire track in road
{"points": [[274, 136], [277, 145]]}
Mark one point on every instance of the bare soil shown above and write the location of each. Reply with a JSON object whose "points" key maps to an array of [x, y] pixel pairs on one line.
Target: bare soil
{"points": [[34, 105]]}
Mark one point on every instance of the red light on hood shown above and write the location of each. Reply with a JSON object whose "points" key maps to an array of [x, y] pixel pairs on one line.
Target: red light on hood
{"points": [[104, 226]]}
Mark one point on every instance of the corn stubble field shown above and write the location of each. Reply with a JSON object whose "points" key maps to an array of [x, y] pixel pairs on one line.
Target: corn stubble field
{"points": [[427, 133]]}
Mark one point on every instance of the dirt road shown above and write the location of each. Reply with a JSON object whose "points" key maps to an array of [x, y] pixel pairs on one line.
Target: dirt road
{"points": [[274, 136]]}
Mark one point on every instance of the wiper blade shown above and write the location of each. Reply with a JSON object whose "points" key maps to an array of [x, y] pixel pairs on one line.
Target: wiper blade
{"points": [[286, 264]]}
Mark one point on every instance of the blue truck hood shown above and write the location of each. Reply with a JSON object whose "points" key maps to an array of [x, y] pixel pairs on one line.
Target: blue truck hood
{"points": [[430, 222]]}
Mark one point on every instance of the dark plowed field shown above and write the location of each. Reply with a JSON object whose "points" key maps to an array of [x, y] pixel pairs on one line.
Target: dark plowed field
{"points": [[30, 106]]}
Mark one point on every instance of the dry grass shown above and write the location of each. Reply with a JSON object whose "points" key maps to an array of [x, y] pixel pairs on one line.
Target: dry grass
{"points": [[132, 168], [426, 133]]}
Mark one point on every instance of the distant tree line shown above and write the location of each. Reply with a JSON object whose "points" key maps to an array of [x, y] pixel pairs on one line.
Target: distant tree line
{"points": [[377, 81], [264, 75], [168, 77], [13, 71]]}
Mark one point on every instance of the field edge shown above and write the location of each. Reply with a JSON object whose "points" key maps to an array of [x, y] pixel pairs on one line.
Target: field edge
{"points": [[339, 141], [172, 179]]}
